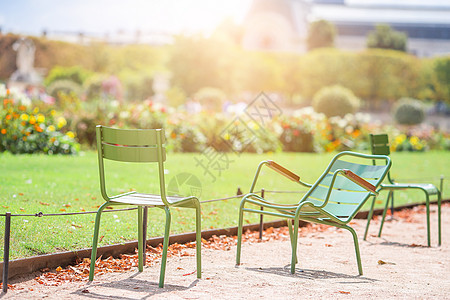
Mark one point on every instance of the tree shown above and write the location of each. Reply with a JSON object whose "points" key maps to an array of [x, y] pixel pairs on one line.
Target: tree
{"points": [[386, 38], [321, 34]]}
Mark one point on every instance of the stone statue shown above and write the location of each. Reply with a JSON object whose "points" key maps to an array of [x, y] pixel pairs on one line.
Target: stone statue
{"points": [[24, 61], [25, 55]]}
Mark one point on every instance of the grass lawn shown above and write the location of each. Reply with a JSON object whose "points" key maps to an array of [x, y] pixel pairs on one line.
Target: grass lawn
{"points": [[57, 184]]}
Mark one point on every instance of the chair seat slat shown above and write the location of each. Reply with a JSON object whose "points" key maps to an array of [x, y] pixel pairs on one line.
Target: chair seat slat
{"points": [[364, 171], [133, 137]]}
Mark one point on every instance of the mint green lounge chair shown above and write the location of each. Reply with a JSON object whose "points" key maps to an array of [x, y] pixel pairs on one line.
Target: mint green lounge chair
{"points": [[334, 199], [140, 146]]}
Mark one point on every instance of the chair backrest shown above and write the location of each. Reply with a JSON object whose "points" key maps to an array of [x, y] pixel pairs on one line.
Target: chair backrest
{"points": [[379, 144], [131, 145], [345, 197]]}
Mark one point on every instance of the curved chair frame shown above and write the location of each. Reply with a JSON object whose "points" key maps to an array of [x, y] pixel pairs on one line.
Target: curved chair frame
{"points": [[334, 199]]}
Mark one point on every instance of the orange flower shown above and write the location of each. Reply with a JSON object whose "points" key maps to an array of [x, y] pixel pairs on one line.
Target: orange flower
{"points": [[356, 133], [24, 138], [22, 108], [38, 128], [173, 135], [8, 117], [3, 131]]}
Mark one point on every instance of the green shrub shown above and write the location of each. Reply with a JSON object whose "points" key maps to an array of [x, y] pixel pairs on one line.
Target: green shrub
{"points": [[186, 138], [211, 99], [408, 111], [76, 74], [335, 101]]}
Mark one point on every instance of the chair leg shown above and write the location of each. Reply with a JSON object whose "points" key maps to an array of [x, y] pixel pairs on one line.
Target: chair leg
{"points": [[239, 234], [198, 238], [369, 217], [355, 240], [95, 240], [427, 203], [391, 194], [291, 234], [392, 206], [439, 217], [165, 247], [140, 239], [294, 245]]}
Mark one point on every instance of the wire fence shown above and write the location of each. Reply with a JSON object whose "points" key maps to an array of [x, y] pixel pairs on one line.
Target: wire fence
{"points": [[239, 195]]}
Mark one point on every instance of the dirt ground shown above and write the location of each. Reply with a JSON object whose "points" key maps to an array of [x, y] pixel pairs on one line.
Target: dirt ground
{"points": [[396, 265]]}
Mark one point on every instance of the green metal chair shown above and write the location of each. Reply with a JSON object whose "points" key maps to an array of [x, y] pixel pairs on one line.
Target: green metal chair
{"points": [[140, 146], [334, 199], [380, 145]]}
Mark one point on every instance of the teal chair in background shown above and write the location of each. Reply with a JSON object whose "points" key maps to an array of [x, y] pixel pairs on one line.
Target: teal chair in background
{"points": [[380, 145], [140, 146]]}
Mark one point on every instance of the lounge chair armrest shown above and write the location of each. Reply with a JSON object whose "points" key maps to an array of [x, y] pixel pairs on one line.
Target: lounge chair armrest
{"points": [[283, 171], [360, 181]]}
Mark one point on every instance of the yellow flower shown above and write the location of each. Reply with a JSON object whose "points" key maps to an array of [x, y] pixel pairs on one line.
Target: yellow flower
{"points": [[36, 110], [53, 112], [70, 134], [24, 117], [61, 122], [414, 140], [51, 128], [226, 136], [41, 118], [400, 139]]}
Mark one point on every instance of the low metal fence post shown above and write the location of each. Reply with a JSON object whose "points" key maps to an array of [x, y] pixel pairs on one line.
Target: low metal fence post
{"points": [[261, 219], [6, 251]]}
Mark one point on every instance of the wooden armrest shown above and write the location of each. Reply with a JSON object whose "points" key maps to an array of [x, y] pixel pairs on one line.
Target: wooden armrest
{"points": [[283, 171], [360, 181]]}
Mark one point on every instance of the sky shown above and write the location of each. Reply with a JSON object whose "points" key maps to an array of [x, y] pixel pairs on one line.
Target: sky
{"points": [[109, 16]]}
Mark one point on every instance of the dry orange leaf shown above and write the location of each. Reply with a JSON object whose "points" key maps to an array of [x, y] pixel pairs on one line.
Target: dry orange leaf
{"points": [[44, 203]]}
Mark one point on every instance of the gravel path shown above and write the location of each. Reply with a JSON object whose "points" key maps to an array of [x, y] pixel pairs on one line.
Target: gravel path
{"points": [[396, 265]]}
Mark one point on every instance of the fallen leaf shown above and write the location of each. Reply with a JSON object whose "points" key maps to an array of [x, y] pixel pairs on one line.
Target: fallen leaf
{"points": [[62, 209], [189, 273], [67, 205], [43, 203], [20, 194], [343, 292], [328, 245], [381, 262]]}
